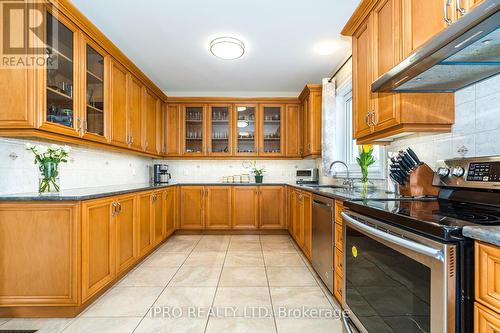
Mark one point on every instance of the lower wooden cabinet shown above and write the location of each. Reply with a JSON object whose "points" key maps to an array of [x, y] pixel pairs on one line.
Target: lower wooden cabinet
{"points": [[245, 212], [338, 287], [485, 320], [191, 207], [301, 220], [271, 200], [218, 203], [39, 255], [98, 245], [158, 223], [126, 232], [145, 238], [170, 212]]}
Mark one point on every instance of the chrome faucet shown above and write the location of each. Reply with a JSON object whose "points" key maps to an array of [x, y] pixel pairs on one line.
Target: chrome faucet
{"points": [[349, 182]]}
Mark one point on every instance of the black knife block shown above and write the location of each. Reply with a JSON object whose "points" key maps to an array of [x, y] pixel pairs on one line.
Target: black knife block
{"points": [[419, 183]]}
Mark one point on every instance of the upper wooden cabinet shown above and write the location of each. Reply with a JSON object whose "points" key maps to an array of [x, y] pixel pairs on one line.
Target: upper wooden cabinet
{"points": [[311, 99], [379, 30], [87, 92], [246, 131], [193, 130], [271, 130], [62, 87], [293, 131], [171, 130], [151, 122], [219, 130]]}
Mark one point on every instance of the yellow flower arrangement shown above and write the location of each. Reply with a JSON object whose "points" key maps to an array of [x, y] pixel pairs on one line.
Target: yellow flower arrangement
{"points": [[364, 160]]}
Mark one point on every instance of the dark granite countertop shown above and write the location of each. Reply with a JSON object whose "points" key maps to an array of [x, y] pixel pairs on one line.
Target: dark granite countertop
{"points": [[487, 234], [80, 194]]}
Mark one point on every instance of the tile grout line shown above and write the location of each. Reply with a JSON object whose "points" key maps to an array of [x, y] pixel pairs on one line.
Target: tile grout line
{"points": [[218, 282], [161, 292], [268, 286]]}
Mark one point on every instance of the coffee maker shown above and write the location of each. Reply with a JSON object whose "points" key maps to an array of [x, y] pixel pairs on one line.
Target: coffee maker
{"points": [[161, 174]]}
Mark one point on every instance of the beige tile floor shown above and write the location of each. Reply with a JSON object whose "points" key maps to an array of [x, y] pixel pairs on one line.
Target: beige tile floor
{"points": [[251, 283]]}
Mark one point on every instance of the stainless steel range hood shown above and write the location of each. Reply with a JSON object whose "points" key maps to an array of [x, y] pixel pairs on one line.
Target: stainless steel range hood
{"points": [[466, 52]]}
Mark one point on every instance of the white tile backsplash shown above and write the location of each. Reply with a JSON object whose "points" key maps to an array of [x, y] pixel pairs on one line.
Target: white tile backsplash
{"points": [[86, 167], [214, 170], [477, 127]]}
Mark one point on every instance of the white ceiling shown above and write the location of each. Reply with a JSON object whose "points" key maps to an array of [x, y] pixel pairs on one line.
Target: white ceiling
{"points": [[168, 40]]}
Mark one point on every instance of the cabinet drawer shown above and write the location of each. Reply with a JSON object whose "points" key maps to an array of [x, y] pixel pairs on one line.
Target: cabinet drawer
{"points": [[339, 237], [339, 206], [337, 287], [338, 262], [485, 320], [488, 275]]}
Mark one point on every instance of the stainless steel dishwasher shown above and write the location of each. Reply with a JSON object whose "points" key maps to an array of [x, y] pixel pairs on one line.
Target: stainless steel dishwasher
{"points": [[322, 238]]}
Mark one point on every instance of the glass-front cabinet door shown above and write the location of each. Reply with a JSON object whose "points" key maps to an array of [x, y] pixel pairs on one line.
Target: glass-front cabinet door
{"points": [[194, 129], [219, 120], [60, 85], [95, 116], [271, 130], [246, 130]]}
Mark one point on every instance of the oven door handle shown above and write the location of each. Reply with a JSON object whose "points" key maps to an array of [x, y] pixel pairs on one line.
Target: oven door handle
{"points": [[345, 322], [408, 244]]}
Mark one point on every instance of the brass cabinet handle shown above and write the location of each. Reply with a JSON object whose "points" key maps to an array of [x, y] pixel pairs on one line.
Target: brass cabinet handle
{"points": [[447, 3], [114, 206], [460, 9], [119, 207]]}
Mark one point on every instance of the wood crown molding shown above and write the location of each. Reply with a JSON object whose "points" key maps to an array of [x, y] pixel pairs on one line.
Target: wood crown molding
{"points": [[233, 100], [84, 24], [309, 88], [359, 15]]}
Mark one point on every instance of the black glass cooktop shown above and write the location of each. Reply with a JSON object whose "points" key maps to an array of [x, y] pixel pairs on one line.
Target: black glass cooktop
{"points": [[440, 218]]}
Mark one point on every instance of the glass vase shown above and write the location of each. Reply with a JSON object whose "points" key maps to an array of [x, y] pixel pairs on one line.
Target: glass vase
{"points": [[48, 181]]}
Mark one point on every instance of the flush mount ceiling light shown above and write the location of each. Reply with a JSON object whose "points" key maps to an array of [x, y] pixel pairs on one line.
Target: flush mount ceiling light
{"points": [[227, 48]]}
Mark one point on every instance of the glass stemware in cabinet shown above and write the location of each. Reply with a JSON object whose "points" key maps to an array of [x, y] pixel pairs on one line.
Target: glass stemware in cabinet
{"points": [[59, 80], [246, 129], [219, 129], [272, 129], [95, 92], [194, 129]]}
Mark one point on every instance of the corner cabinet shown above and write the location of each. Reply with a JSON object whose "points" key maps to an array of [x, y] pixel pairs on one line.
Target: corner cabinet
{"points": [[377, 46], [311, 100]]}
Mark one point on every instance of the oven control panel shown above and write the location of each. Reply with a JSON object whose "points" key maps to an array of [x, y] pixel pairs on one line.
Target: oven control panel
{"points": [[484, 172], [473, 172]]}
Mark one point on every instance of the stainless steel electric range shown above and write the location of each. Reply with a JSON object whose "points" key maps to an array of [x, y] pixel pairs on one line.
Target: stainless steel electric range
{"points": [[407, 267]]}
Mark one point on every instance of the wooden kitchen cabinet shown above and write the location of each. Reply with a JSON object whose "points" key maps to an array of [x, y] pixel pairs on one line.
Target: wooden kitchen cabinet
{"points": [[377, 43], [145, 234], [311, 99], [135, 118], [192, 207], [193, 131], [218, 204], [220, 130], [271, 207], [119, 122], [126, 232], [170, 212], [39, 255], [246, 130], [271, 130], [158, 222], [487, 288], [151, 120], [297, 230], [293, 131], [98, 245], [306, 222], [95, 118], [61, 85], [171, 129], [245, 212]]}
